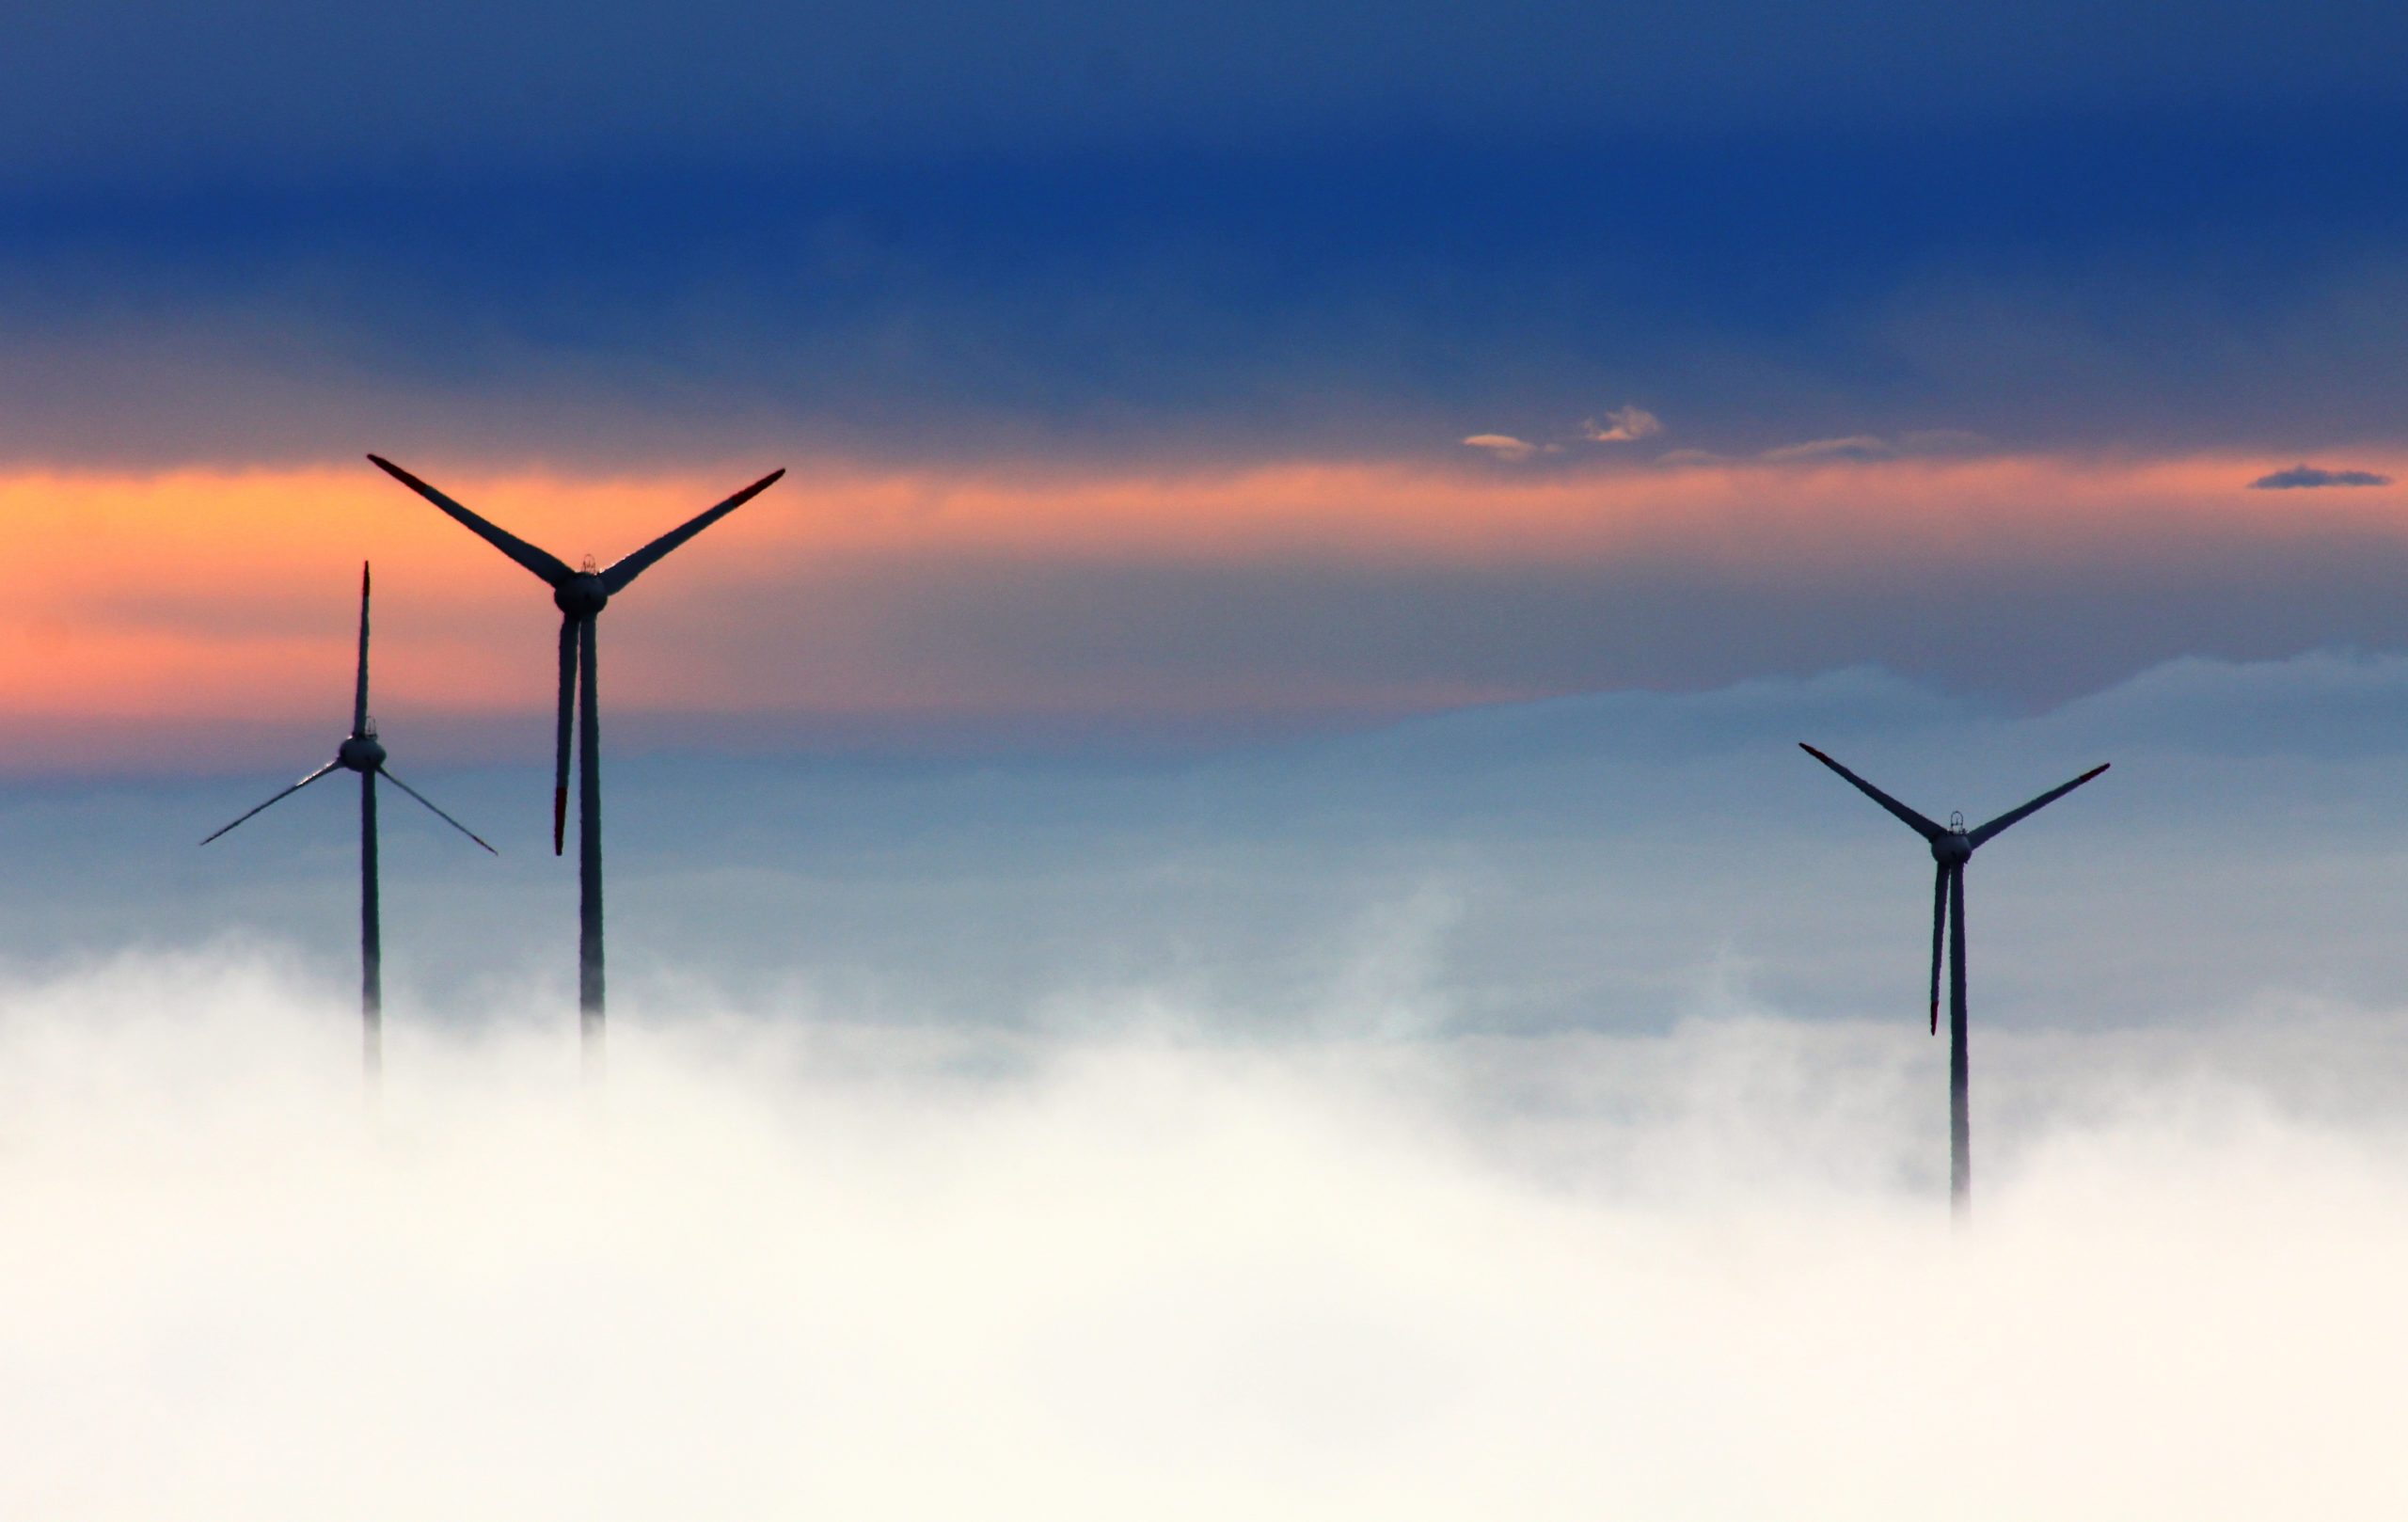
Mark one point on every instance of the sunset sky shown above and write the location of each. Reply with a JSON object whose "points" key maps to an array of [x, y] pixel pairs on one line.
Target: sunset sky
{"points": [[1170, 402], [1227, 372], [1214, 910]]}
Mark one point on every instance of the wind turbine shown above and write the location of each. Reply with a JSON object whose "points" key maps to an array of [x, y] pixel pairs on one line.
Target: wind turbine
{"points": [[361, 751], [580, 595], [1951, 847]]}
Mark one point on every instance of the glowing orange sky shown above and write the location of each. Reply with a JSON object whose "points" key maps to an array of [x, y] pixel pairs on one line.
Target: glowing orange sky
{"points": [[192, 596]]}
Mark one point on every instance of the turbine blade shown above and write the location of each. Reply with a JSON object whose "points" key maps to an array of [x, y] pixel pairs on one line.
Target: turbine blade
{"points": [[387, 773], [1912, 820], [620, 573], [279, 797], [550, 567], [359, 694], [567, 723], [1955, 938], [1939, 930], [2039, 803]]}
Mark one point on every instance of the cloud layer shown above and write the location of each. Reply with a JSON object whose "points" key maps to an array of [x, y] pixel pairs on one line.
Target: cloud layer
{"points": [[966, 606], [1526, 1106], [1696, 1276]]}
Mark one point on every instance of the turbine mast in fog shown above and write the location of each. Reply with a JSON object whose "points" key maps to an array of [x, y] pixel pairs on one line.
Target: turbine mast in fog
{"points": [[361, 751], [580, 595], [1951, 847]]}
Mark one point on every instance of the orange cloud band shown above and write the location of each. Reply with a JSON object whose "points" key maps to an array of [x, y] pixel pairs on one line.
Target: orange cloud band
{"points": [[206, 595]]}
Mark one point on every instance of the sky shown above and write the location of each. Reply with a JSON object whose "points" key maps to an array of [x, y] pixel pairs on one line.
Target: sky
{"points": [[1214, 897], [1184, 378]]}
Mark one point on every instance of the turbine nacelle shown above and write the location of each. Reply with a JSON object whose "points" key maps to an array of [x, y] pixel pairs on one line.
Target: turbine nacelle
{"points": [[581, 594], [1953, 846], [363, 753]]}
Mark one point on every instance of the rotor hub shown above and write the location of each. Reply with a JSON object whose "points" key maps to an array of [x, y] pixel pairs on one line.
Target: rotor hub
{"points": [[360, 752], [580, 595], [1952, 848]]}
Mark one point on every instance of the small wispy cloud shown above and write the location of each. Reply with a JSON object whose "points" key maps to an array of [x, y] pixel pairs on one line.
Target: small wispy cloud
{"points": [[1629, 424], [1503, 445], [1853, 446], [1850, 449], [1621, 426], [2309, 475]]}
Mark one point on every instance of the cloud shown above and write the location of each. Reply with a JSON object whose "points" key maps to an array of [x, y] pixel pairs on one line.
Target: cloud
{"points": [[1626, 424], [1925, 443], [2309, 475], [1622, 425], [1862, 447], [1503, 445], [1327, 1278]]}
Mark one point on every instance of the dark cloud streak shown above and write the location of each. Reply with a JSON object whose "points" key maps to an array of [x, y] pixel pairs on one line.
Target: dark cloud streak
{"points": [[2309, 475]]}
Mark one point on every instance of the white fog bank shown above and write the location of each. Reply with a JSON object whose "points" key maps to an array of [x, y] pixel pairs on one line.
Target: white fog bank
{"points": [[799, 1266]]}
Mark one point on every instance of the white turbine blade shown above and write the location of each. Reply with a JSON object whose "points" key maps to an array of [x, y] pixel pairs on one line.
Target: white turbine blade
{"points": [[2039, 803], [387, 773], [550, 566], [279, 798], [622, 572], [1912, 820]]}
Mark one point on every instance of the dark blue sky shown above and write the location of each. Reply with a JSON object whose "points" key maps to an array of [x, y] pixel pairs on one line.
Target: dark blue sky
{"points": [[1202, 231], [141, 90]]}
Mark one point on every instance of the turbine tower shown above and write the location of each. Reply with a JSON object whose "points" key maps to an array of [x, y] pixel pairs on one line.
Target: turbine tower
{"points": [[1951, 847], [361, 751], [580, 595]]}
